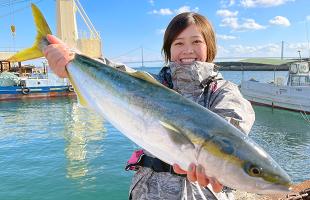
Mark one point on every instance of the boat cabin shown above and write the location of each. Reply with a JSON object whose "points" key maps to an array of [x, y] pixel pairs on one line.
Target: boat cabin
{"points": [[5, 65], [299, 74]]}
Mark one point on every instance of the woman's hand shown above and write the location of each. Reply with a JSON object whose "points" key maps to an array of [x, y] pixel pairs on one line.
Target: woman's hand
{"points": [[197, 173], [58, 55]]}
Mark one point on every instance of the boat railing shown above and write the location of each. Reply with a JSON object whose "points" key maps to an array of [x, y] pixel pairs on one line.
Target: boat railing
{"points": [[299, 80]]}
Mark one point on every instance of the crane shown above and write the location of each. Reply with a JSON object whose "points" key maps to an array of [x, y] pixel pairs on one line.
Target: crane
{"points": [[67, 28]]}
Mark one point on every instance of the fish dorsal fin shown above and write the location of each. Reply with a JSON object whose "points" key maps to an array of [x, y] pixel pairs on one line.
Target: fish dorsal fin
{"points": [[145, 76]]}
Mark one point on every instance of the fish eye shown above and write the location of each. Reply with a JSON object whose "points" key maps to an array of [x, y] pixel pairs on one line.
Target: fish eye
{"points": [[253, 170]]}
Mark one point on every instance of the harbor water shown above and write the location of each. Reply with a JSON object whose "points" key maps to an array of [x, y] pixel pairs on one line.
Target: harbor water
{"points": [[54, 149]]}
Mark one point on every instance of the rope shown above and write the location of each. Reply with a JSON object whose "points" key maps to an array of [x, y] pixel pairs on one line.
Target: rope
{"points": [[18, 10], [304, 115], [12, 2]]}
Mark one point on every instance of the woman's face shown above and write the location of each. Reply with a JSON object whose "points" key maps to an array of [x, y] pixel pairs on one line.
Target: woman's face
{"points": [[189, 46]]}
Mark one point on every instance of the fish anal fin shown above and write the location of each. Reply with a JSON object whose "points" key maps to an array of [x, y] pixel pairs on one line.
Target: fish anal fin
{"points": [[80, 98]]}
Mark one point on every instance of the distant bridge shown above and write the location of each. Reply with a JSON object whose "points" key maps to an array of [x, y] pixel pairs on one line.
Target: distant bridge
{"points": [[218, 59]]}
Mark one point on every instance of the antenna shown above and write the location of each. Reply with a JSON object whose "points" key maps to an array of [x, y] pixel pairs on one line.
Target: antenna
{"points": [[299, 55]]}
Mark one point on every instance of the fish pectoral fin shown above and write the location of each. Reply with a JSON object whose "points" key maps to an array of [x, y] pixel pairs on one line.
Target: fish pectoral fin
{"points": [[177, 136]]}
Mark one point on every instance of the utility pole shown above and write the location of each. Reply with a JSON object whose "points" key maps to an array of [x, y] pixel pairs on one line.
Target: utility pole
{"points": [[282, 48], [307, 35]]}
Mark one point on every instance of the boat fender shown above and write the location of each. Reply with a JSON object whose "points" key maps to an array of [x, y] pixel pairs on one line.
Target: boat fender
{"points": [[70, 88], [25, 90]]}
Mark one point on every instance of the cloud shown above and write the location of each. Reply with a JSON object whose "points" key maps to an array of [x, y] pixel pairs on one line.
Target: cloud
{"points": [[152, 2], [222, 51], [263, 50], [279, 20], [250, 24], [226, 13], [161, 31], [308, 18], [186, 9], [262, 3], [301, 46], [240, 49], [227, 3], [231, 22], [168, 11], [231, 2], [226, 37], [247, 24], [162, 11]]}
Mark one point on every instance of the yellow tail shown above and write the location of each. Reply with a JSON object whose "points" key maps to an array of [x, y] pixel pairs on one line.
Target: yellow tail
{"points": [[40, 42]]}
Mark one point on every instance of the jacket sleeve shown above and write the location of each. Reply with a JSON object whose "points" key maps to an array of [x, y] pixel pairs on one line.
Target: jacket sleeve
{"points": [[228, 102]]}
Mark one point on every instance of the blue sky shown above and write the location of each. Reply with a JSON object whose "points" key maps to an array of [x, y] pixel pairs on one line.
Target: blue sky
{"points": [[244, 28]]}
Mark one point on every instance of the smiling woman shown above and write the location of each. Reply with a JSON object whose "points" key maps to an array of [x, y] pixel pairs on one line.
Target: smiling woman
{"points": [[189, 46], [189, 33]]}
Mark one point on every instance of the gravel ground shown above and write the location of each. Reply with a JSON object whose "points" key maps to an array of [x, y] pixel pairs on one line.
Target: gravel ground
{"points": [[249, 196]]}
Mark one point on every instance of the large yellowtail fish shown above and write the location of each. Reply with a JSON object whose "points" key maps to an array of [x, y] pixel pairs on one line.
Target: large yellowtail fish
{"points": [[171, 127]]}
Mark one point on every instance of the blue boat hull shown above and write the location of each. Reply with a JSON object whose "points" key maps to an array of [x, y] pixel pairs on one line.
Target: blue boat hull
{"points": [[18, 92]]}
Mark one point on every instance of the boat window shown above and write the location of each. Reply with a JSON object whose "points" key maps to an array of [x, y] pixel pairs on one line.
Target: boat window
{"points": [[300, 80]]}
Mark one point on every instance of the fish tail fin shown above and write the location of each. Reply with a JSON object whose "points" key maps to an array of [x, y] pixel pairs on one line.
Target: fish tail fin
{"points": [[40, 42]]}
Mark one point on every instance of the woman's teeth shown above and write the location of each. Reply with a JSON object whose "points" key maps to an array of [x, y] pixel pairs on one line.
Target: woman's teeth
{"points": [[188, 60]]}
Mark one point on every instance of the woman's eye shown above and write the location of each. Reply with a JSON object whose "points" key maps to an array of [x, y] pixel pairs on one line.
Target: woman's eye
{"points": [[197, 42], [178, 43]]}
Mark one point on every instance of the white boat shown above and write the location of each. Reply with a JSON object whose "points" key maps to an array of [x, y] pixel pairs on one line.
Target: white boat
{"points": [[290, 94]]}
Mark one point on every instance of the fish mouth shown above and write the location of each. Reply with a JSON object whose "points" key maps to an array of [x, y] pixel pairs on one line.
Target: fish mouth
{"points": [[275, 189]]}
